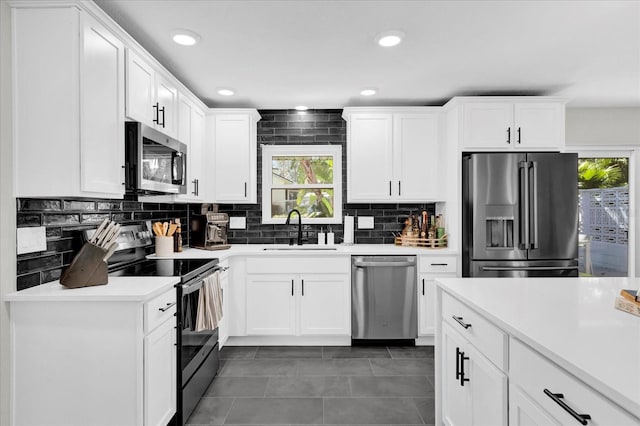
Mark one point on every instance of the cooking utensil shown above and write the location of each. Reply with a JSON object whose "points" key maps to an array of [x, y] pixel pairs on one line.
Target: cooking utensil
{"points": [[157, 229], [172, 229], [165, 228]]}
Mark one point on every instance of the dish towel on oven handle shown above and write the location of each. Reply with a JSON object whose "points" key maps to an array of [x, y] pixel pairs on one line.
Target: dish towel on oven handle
{"points": [[209, 303]]}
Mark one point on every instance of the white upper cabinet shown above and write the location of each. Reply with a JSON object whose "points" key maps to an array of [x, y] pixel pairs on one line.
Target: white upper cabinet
{"points": [[191, 131], [233, 133], [68, 104], [151, 98], [534, 123], [393, 155]]}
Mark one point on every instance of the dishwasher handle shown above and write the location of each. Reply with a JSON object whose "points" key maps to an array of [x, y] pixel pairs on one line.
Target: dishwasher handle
{"points": [[382, 264]]}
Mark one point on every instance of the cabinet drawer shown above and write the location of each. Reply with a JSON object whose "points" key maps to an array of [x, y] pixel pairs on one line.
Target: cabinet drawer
{"points": [[158, 310], [488, 338], [298, 265], [534, 373], [431, 265]]}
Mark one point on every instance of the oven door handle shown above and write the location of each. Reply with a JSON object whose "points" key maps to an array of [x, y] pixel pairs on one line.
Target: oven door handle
{"points": [[197, 283]]}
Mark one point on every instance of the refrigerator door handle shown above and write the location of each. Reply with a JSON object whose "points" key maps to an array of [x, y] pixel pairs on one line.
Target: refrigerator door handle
{"points": [[523, 169], [534, 207], [529, 268]]}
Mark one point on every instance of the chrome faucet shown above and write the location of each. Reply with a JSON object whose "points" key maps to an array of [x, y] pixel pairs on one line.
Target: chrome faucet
{"points": [[299, 226]]}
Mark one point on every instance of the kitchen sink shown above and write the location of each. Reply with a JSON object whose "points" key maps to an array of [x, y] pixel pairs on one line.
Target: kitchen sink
{"points": [[290, 248]]}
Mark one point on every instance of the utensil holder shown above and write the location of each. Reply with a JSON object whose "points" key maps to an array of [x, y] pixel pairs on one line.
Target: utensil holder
{"points": [[88, 268], [164, 246]]}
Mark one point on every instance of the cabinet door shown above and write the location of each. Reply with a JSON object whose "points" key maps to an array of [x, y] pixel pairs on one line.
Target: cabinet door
{"points": [[140, 96], [488, 125], [167, 98], [223, 326], [488, 387], [325, 306], [426, 305], [416, 158], [160, 374], [524, 412], [456, 399], [369, 162], [270, 305], [539, 126], [197, 151], [235, 152], [184, 119], [102, 110]]}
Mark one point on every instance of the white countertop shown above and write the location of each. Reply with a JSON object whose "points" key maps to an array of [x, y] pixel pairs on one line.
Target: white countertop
{"points": [[120, 289], [340, 250], [572, 321]]}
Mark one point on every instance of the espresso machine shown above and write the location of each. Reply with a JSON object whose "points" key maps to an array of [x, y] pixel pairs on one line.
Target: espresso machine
{"points": [[209, 231]]}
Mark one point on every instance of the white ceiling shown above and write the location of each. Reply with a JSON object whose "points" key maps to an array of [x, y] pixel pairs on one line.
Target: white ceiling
{"points": [[278, 54]]}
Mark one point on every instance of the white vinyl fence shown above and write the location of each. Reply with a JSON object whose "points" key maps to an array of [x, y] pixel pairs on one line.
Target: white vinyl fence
{"points": [[604, 229]]}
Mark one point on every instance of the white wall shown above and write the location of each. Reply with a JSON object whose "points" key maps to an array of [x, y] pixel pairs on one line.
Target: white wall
{"points": [[7, 207], [618, 128], [603, 126]]}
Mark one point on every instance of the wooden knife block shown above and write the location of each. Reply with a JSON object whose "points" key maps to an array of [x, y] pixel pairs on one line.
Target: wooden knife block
{"points": [[87, 269]]}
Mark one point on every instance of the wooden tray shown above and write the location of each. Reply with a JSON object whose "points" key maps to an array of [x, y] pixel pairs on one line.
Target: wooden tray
{"points": [[434, 243]]}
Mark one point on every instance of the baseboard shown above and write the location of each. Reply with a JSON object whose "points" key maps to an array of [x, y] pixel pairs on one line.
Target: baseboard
{"points": [[288, 341], [425, 341]]}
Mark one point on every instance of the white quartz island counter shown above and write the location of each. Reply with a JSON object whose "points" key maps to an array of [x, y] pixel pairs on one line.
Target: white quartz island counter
{"points": [[571, 321]]}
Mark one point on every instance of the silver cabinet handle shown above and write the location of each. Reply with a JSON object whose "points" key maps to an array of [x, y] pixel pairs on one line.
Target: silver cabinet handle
{"points": [[529, 268], [534, 205], [166, 308]]}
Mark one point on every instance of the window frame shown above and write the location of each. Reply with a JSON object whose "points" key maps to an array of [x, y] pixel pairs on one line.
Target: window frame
{"points": [[269, 151]]}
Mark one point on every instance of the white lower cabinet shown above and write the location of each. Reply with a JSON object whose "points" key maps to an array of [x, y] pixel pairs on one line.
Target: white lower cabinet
{"points": [[430, 267], [94, 362], [474, 390], [305, 304], [297, 297], [160, 374], [271, 305]]}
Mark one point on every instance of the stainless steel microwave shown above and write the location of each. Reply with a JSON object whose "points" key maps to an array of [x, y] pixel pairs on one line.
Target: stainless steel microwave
{"points": [[154, 162]]}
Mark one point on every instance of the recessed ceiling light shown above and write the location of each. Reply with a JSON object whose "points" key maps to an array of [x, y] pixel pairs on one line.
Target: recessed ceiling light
{"points": [[185, 37], [226, 91], [389, 38], [370, 91], [302, 108]]}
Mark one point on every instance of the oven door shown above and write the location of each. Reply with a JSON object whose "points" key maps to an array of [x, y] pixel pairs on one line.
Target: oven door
{"points": [[198, 358]]}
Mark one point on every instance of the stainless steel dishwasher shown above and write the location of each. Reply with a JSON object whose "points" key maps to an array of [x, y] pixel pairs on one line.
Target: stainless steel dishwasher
{"points": [[383, 297]]}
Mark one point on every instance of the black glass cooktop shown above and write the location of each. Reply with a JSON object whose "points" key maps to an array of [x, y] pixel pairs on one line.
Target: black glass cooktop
{"points": [[185, 268]]}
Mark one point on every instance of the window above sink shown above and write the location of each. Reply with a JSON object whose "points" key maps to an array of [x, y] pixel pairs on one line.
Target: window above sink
{"points": [[306, 178]]}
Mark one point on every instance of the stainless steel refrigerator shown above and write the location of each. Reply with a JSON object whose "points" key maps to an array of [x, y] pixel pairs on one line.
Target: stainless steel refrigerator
{"points": [[520, 215]]}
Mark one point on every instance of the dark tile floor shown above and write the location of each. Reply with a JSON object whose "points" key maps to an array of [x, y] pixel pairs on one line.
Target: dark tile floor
{"points": [[346, 385]]}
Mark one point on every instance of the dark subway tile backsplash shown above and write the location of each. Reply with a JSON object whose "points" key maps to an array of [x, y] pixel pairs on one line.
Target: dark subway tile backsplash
{"points": [[65, 219], [320, 127]]}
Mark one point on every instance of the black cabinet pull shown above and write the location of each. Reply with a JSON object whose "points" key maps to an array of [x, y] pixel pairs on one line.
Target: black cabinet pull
{"points": [[518, 135], [292, 287], [162, 109], [439, 264], [399, 189], [459, 321], [508, 135], [557, 398], [389, 188], [245, 189], [198, 187], [156, 109], [458, 363], [423, 286], [303, 287], [462, 360]]}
